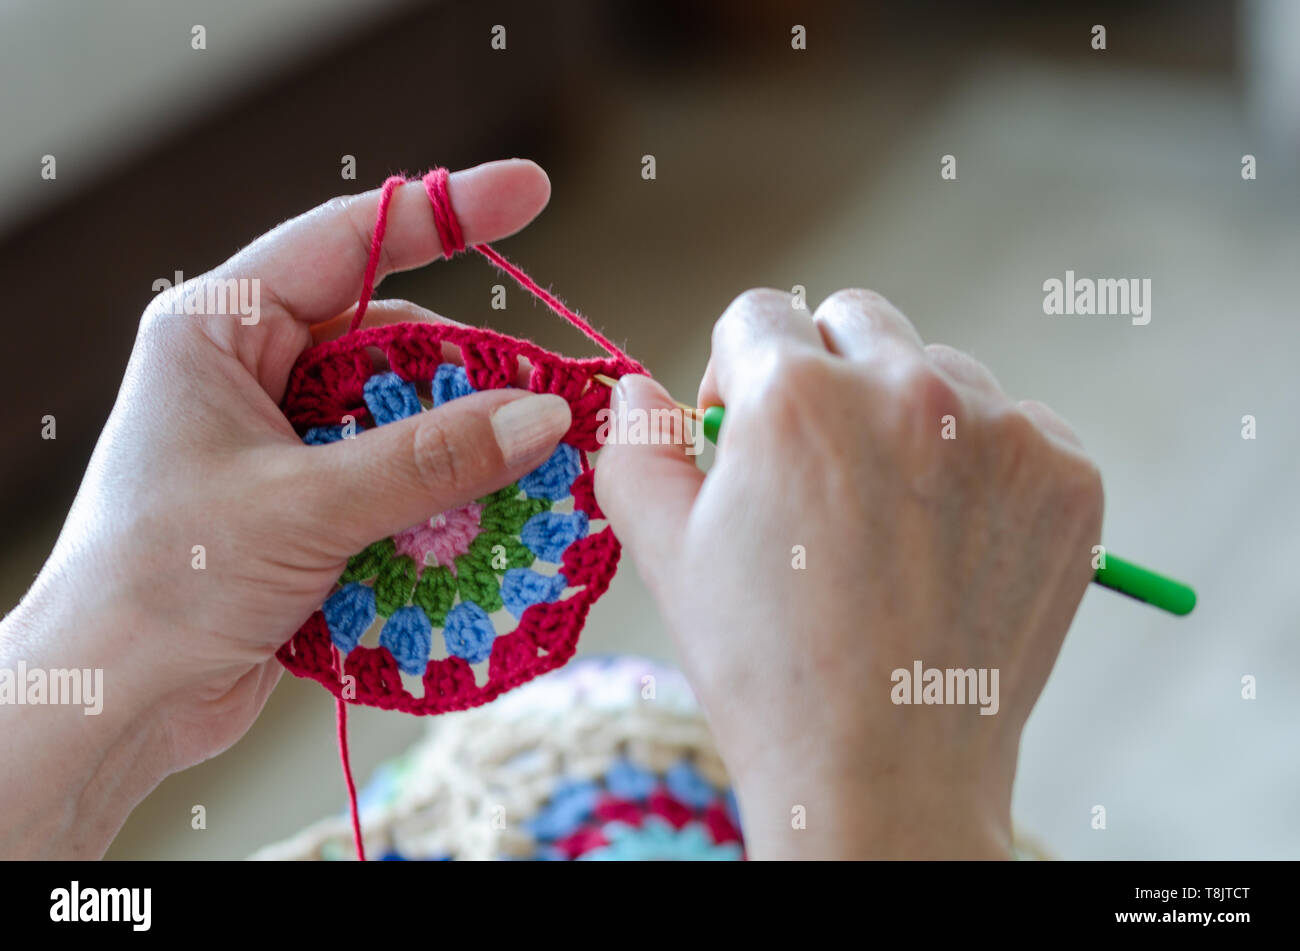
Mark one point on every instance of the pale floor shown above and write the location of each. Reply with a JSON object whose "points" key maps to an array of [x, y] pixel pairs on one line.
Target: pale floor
{"points": [[1106, 175]]}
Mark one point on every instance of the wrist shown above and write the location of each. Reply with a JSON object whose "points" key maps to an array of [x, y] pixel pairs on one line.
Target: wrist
{"points": [[81, 739], [846, 815]]}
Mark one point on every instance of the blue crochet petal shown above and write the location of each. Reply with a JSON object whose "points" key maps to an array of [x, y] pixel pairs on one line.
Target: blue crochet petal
{"points": [[687, 785], [320, 435], [450, 382], [468, 632], [348, 612], [553, 479], [390, 398], [548, 534], [521, 588], [572, 803], [408, 635], [657, 839], [626, 780]]}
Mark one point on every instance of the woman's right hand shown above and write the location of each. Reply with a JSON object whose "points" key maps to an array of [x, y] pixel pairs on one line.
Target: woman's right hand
{"points": [[874, 503]]}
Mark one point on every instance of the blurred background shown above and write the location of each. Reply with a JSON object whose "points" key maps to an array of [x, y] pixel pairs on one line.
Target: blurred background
{"points": [[774, 167]]}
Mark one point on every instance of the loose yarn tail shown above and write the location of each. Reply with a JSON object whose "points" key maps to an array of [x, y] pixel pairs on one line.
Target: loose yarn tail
{"points": [[341, 714]]}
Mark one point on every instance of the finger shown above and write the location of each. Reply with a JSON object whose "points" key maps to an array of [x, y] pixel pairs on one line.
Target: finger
{"points": [[965, 369], [313, 265], [1046, 419], [755, 326], [387, 479], [857, 324], [647, 490]]}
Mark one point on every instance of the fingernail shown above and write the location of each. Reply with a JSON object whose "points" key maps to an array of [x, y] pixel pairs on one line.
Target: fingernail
{"points": [[633, 390], [530, 427]]}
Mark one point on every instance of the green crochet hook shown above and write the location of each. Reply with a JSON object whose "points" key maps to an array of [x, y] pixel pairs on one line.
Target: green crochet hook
{"points": [[1116, 573]]}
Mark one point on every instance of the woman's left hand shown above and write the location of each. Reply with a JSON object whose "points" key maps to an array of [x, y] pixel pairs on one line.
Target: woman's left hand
{"points": [[197, 453]]}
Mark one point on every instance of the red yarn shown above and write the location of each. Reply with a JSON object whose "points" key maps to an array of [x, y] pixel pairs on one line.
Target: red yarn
{"points": [[452, 240], [341, 715], [328, 383], [376, 247], [444, 219]]}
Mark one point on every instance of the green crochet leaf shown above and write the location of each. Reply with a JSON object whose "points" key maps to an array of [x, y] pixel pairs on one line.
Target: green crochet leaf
{"points": [[394, 585], [508, 516], [366, 564], [477, 582], [435, 593], [508, 494], [500, 552]]}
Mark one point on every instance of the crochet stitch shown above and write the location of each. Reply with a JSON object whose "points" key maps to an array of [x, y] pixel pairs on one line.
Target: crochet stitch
{"points": [[507, 579]]}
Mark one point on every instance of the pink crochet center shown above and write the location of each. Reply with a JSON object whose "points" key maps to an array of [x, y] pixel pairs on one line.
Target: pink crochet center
{"points": [[441, 539]]}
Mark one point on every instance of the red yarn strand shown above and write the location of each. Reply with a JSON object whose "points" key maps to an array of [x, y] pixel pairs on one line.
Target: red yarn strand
{"points": [[444, 219], [452, 239], [341, 714], [551, 301], [376, 248]]}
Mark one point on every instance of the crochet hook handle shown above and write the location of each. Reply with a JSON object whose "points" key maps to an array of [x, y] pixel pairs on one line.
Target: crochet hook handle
{"points": [[1116, 573]]}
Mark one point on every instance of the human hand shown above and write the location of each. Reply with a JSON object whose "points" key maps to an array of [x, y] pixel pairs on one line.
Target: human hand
{"points": [[965, 552], [197, 452]]}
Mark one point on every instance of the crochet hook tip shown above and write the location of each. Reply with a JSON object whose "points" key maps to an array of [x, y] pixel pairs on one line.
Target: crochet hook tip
{"points": [[693, 411]]}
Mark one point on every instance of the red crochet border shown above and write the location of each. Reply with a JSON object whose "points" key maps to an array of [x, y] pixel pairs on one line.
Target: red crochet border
{"points": [[327, 383]]}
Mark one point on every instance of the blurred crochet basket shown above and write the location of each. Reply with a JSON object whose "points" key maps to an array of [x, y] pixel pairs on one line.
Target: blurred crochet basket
{"points": [[608, 758]]}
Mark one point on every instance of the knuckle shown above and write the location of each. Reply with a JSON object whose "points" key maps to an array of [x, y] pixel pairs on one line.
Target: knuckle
{"points": [[962, 365], [346, 209], [757, 297], [853, 298], [338, 205], [943, 351], [791, 387], [793, 377], [1046, 417], [1083, 495], [438, 462], [152, 318], [1013, 427], [748, 302], [798, 369], [924, 392], [1020, 454]]}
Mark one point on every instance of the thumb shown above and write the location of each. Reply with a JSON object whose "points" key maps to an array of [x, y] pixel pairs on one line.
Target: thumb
{"points": [[646, 477], [404, 472]]}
